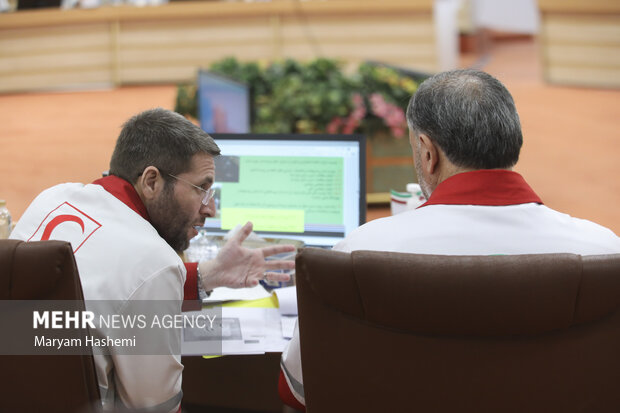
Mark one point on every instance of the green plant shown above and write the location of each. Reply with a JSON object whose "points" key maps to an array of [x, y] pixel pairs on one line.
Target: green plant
{"points": [[293, 97]]}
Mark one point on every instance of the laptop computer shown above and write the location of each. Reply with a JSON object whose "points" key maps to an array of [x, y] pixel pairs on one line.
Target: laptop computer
{"points": [[310, 188]]}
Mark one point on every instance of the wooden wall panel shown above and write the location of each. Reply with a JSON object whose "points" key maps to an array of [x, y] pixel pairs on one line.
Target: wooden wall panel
{"points": [[581, 47], [172, 51], [55, 58], [407, 40], [124, 45], [413, 26], [195, 31], [64, 80], [22, 41], [595, 56], [402, 54], [584, 76], [142, 75], [187, 54], [577, 29], [55, 61]]}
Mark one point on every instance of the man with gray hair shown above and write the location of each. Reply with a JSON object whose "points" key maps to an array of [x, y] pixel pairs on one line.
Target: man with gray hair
{"points": [[126, 231], [465, 135]]}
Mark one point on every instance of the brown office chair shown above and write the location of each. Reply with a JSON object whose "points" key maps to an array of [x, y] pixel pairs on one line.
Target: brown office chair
{"points": [[44, 270], [389, 332]]}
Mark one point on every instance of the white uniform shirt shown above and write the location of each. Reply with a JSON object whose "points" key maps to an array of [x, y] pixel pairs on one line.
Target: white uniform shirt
{"points": [[121, 257], [475, 213]]}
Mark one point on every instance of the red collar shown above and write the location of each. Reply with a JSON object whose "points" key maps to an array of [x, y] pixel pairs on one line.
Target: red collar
{"points": [[491, 187], [125, 192]]}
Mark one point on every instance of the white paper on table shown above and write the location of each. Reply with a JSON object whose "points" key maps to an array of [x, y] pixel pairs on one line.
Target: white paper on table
{"points": [[288, 323], [235, 294], [287, 300], [244, 330], [225, 336], [253, 323]]}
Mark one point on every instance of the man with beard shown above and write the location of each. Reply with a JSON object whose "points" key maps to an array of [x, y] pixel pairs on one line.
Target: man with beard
{"points": [[126, 231], [466, 137]]}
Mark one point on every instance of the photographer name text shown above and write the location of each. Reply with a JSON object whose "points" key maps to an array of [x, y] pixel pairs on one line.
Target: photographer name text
{"points": [[89, 341]]}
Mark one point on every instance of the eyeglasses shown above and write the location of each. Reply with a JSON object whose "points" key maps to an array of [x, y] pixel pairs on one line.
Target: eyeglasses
{"points": [[208, 193]]}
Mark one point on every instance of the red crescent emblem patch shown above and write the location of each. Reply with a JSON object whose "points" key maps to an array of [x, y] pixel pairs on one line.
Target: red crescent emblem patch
{"points": [[57, 221], [52, 226]]}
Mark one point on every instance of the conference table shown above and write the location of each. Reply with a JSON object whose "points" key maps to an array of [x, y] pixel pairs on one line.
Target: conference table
{"points": [[239, 383]]}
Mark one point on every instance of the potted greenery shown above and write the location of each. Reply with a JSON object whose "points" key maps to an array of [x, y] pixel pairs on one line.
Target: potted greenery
{"points": [[319, 97]]}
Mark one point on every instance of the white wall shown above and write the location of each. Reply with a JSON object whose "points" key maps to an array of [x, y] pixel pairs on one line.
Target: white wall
{"points": [[516, 16]]}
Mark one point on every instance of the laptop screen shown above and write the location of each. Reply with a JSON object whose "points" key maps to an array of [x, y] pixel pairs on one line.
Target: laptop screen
{"points": [[305, 187]]}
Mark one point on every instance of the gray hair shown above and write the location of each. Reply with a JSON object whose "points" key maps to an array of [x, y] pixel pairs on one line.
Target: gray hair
{"points": [[471, 116], [160, 138]]}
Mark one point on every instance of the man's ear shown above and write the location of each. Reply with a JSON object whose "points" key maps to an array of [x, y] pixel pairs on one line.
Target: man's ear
{"points": [[150, 183], [429, 154]]}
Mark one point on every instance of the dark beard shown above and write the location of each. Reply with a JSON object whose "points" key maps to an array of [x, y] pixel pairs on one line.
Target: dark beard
{"points": [[166, 218]]}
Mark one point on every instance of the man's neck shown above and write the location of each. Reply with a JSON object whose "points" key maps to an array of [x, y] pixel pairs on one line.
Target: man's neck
{"points": [[450, 170], [446, 169]]}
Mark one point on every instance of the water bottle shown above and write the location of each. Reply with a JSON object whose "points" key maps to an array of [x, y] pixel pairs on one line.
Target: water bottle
{"points": [[5, 220], [201, 248]]}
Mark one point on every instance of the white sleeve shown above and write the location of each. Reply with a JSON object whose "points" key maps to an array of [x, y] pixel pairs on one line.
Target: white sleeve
{"points": [[291, 357], [153, 382], [291, 367]]}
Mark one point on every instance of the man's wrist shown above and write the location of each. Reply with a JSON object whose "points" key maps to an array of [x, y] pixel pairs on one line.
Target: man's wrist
{"points": [[207, 274], [202, 293]]}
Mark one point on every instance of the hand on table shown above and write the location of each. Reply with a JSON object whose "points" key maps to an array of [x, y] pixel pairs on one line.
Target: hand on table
{"points": [[237, 266]]}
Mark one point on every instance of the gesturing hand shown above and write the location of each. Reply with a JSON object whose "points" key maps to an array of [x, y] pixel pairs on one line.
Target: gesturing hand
{"points": [[236, 266]]}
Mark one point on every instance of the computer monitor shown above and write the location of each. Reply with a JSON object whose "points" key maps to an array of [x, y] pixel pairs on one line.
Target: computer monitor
{"points": [[305, 187], [223, 104]]}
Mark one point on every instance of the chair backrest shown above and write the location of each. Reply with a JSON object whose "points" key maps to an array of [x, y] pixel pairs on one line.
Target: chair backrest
{"points": [[44, 270], [391, 332]]}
